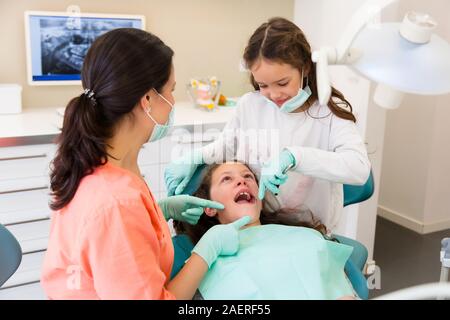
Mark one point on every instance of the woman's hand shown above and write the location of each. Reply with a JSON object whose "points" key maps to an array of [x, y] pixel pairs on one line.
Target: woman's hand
{"points": [[222, 239], [186, 208], [178, 173]]}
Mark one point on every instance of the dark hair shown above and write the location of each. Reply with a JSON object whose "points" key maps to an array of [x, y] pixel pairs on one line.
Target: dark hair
{"points": [[119, 68], [282, 41], [299, 218]]}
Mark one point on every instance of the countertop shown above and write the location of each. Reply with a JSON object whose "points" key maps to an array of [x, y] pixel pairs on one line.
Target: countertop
{"points": [[45, 122]]}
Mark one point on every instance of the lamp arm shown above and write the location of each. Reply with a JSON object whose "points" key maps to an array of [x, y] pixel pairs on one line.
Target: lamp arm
{"points": [[360, 18], [321, 58], [343, 54]]}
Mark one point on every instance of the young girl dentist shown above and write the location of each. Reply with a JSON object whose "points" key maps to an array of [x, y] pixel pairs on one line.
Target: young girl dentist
{"points": [[109, 238], [317, 147]]}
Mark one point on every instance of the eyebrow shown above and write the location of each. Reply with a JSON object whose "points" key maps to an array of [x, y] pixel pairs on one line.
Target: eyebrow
{"points": [[229, 172], [283, 79]]}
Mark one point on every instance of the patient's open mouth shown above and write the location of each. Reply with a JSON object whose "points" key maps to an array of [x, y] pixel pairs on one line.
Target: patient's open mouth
{"points": [[244, 197]]}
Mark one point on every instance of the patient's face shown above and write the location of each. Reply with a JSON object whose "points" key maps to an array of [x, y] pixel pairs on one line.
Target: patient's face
{"points": [[235, 186]]}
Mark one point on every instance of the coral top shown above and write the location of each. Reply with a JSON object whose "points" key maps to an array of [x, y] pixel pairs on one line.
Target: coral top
{"points": [[110, 242]]}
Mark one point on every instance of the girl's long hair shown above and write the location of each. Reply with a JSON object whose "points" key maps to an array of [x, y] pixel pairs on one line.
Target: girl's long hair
{"points": [[280, 40]]}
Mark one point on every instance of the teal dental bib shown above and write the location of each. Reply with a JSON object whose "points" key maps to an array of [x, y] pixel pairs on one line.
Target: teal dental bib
{"points": [[280, 262]]}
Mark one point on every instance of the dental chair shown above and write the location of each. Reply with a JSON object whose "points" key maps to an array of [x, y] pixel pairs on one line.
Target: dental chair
{"points": [[10, 254], [355, 264]]}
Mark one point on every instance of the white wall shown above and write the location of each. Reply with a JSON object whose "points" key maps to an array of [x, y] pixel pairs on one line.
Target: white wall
{"points": [[406, 157], [415, 181], [437, 202], [208, 37]]}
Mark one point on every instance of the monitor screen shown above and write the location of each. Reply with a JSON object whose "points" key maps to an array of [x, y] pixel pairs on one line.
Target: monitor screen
{"points": [[57, 42]]}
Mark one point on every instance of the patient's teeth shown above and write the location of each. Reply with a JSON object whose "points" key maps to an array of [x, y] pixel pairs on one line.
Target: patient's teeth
{"points": [[247, 196]]}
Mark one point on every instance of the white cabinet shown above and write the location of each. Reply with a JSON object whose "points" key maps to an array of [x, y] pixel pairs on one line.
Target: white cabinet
{"points": [[28, 151], [32, 236], [29, 270], [24, 196], [20, 206], [31, 291]]}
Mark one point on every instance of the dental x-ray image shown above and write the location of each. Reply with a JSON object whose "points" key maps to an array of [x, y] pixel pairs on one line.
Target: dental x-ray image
{"points": [[65, 41], [57, 42]]}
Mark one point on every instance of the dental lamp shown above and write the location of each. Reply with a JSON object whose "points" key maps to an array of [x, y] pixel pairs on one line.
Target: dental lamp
{"points": [[401, 57]]}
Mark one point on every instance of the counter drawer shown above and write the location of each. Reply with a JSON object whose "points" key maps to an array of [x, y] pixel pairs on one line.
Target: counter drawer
{"points": [[24, 167], [25, 184], [30, 151], [33, 291], [32, 236], [24, 206], [29, 270]]}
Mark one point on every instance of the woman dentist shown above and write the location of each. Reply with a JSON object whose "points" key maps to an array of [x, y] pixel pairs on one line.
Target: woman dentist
{"points": [[109, 237], [313, 148]]}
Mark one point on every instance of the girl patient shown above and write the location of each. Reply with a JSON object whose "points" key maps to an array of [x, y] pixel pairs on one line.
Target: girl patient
{"points": [[282, 255]]}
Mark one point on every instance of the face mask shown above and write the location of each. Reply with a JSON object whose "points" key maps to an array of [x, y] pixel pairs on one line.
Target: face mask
{"points": [[295, 102], [160, 130]]}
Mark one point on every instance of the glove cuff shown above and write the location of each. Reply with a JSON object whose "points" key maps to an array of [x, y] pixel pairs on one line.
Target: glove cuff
{"points": [[206, 252], [288, 155], [163, 207], [208, 248]]}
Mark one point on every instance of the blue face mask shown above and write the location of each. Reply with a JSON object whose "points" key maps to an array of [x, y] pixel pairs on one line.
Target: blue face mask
{"points": [[295, 102], [160, 130]]}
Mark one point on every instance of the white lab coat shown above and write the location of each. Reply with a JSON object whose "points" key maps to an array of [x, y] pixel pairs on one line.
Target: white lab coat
{"points": [[328, 149]]}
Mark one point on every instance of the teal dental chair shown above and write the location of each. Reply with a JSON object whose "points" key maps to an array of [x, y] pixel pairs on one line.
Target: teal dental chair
{"points": [[355, 264], [10, 254]]}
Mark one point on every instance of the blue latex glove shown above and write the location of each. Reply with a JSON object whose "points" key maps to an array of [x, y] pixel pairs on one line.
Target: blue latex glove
{"points": [[222, 239], [178, 173], [273, 174], [186, 208]]}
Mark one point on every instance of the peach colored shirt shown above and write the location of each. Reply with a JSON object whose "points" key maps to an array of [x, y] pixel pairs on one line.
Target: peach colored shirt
{"points": [[110, 242]]}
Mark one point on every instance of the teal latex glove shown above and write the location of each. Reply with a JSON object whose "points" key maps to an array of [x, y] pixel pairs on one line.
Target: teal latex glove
{"points": [[222, 239], [273, 174], [178, 173], [186, 208]]}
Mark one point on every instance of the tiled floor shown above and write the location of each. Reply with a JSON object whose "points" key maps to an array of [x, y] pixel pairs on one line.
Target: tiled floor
{"points": [[405, 257]]}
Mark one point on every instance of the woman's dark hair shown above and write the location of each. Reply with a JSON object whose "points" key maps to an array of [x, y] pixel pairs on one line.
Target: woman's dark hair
{"points": [[119, 68], [299, 218], [282, 41]]}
